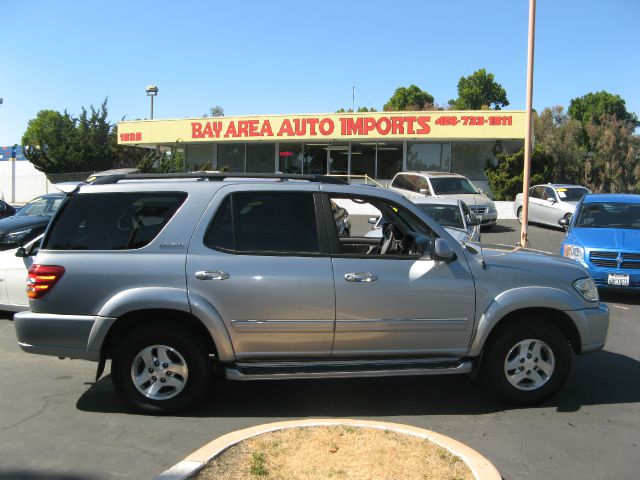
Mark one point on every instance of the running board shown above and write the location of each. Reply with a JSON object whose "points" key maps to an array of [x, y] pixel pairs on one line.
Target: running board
{"points": [[345, 369]]}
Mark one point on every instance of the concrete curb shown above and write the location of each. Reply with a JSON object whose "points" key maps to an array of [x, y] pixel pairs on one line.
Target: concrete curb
{"points": [[481, 468]]}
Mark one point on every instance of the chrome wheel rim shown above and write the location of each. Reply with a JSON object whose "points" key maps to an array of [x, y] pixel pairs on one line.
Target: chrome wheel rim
{"points": [[159, 372], [520, 215], [529, 364]]}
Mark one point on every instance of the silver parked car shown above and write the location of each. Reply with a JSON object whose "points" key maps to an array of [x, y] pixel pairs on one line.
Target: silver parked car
{"points": [[450, 185], [171, 276], [453, 215], [551, 202]]}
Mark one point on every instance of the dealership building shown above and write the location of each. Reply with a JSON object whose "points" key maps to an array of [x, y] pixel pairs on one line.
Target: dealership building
{"points": [[375, 144]]}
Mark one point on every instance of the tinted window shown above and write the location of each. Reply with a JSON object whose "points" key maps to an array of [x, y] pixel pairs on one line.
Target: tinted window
{"points": [[265, 222], [445, 215], [609, 215], [399, 182], [452, 186], [537, 192], [220, 233], [112, 221], [549, 194]]}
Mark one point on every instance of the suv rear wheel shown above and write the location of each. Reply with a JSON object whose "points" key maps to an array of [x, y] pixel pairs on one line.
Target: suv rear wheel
{"points": [[528, 362], [160, 369]]}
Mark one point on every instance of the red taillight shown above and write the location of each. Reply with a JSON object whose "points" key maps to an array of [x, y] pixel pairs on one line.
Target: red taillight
{"points": [[42, 278]]}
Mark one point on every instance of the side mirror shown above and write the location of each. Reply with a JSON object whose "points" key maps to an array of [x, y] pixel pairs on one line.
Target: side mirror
{"points": [[372, 220], [564, 223], [424, 191], [474, 219], [21, 253], [552, 200], [441, 250]]}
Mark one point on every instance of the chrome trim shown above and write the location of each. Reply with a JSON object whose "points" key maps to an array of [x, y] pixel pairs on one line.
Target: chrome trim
{"points": [[464, 367], [283, 326], [401, 325]]}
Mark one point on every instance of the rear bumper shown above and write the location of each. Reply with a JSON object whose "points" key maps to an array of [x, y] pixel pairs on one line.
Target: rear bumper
{"points": [[74, 336]]}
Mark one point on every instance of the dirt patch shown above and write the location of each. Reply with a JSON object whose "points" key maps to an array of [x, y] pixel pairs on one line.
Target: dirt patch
{"points": [[336, 453]]}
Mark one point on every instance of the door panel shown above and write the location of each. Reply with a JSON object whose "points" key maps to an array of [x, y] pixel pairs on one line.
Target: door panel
{"points": [[414, 307]]}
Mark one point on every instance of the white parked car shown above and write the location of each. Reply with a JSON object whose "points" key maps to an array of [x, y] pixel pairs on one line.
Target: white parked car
{"points": [[13, 276], [453, 215], [551, 202], [446, 184]]}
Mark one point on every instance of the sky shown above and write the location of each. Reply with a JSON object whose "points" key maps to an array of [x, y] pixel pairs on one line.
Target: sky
{"points": [[273, 57]]}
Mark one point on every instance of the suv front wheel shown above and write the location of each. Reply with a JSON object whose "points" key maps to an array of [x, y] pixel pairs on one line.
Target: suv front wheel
{"points": [[528, 362], [160, 369]]}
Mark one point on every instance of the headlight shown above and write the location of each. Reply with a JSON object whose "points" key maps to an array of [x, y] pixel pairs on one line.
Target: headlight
{"points": [[576, 252], [587, 289], [16, 237]]}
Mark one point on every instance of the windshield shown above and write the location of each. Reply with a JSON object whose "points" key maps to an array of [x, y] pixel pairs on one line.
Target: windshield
{"points": [[609, 215], [445, 215], [572, 194], [452, 186], [40, 206]]}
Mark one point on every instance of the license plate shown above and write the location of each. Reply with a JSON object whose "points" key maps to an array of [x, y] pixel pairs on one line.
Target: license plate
{"points": [[617, 279]]}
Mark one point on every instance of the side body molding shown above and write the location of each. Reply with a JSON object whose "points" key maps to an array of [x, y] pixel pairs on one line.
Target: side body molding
{"points": [[518, 299]]}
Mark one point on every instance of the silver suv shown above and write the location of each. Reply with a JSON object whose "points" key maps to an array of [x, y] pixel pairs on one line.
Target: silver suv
{"points": [[449, 185], [170, 277]]}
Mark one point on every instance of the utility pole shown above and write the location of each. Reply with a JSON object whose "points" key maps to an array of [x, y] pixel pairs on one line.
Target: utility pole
{"points": [[524, 242]]}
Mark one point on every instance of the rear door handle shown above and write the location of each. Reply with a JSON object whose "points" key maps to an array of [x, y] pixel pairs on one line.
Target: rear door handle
{"points": [[361, 277], [212, 275]]}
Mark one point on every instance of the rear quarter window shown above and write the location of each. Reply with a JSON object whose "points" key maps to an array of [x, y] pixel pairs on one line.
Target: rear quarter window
{"points": [[112, 221]]}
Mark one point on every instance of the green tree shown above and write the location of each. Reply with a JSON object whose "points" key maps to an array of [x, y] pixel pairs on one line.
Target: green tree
{"points": [[409, 98], [479, 91], [216, 111], [360, 109], [560, 137], [57, 142], [612, 167], [593, 106], [505, 179]]}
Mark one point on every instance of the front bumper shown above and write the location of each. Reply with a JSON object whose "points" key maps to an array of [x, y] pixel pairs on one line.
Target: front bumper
{"points": [[600, 277], [73, 336], [592, 325], [489, 218]]}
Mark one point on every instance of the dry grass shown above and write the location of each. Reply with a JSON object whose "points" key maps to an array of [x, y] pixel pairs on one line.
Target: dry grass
{"points": [[336, 453]]}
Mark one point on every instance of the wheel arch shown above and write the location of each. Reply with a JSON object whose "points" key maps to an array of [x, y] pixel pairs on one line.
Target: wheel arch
{"points": [[560, 319]]}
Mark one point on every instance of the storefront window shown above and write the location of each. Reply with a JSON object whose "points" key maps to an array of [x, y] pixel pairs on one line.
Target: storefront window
{"points": [[471, 158], [315, 158], [363, 159], [231, 157], [339, 158], [389, 159], [429, 156], [260, 157], [290, 158], [199, 157]]}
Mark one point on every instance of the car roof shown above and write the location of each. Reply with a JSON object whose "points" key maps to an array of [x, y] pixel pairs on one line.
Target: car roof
{"points": [[432, 174], [612, 197], [558, 185], [434, 201]]}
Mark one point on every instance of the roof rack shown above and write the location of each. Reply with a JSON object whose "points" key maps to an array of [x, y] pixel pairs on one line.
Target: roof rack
{"points": [[215, 176]]}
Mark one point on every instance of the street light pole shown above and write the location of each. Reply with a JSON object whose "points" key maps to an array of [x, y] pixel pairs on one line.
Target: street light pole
{"points": [[524, 242], [152, 91]]}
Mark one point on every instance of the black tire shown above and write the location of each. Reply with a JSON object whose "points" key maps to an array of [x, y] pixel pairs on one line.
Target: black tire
{"points": [[496, 374], [519, 215], [187, 354]]}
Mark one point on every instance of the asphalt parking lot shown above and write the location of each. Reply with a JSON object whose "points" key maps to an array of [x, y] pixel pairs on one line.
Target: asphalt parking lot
{"points": [[55, 423]]}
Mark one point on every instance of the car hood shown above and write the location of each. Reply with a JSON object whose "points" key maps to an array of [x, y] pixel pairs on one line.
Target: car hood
{"points": [[606, 238], [12, 224], [469, 198], [525, 266]]}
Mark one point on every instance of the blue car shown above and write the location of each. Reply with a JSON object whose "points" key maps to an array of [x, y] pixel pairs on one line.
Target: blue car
{"points": [[604, 235]]}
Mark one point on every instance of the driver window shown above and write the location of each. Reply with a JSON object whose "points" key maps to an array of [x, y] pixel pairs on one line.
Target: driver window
{"points": [[397, 232]]}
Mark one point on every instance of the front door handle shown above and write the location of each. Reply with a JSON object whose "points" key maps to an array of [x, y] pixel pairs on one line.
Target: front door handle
{"points": [[212, 275], [361, 277]]}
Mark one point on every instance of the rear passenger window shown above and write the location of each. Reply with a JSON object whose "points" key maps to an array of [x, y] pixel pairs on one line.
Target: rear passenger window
{"points": [[265, 222], [112, 221]]}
